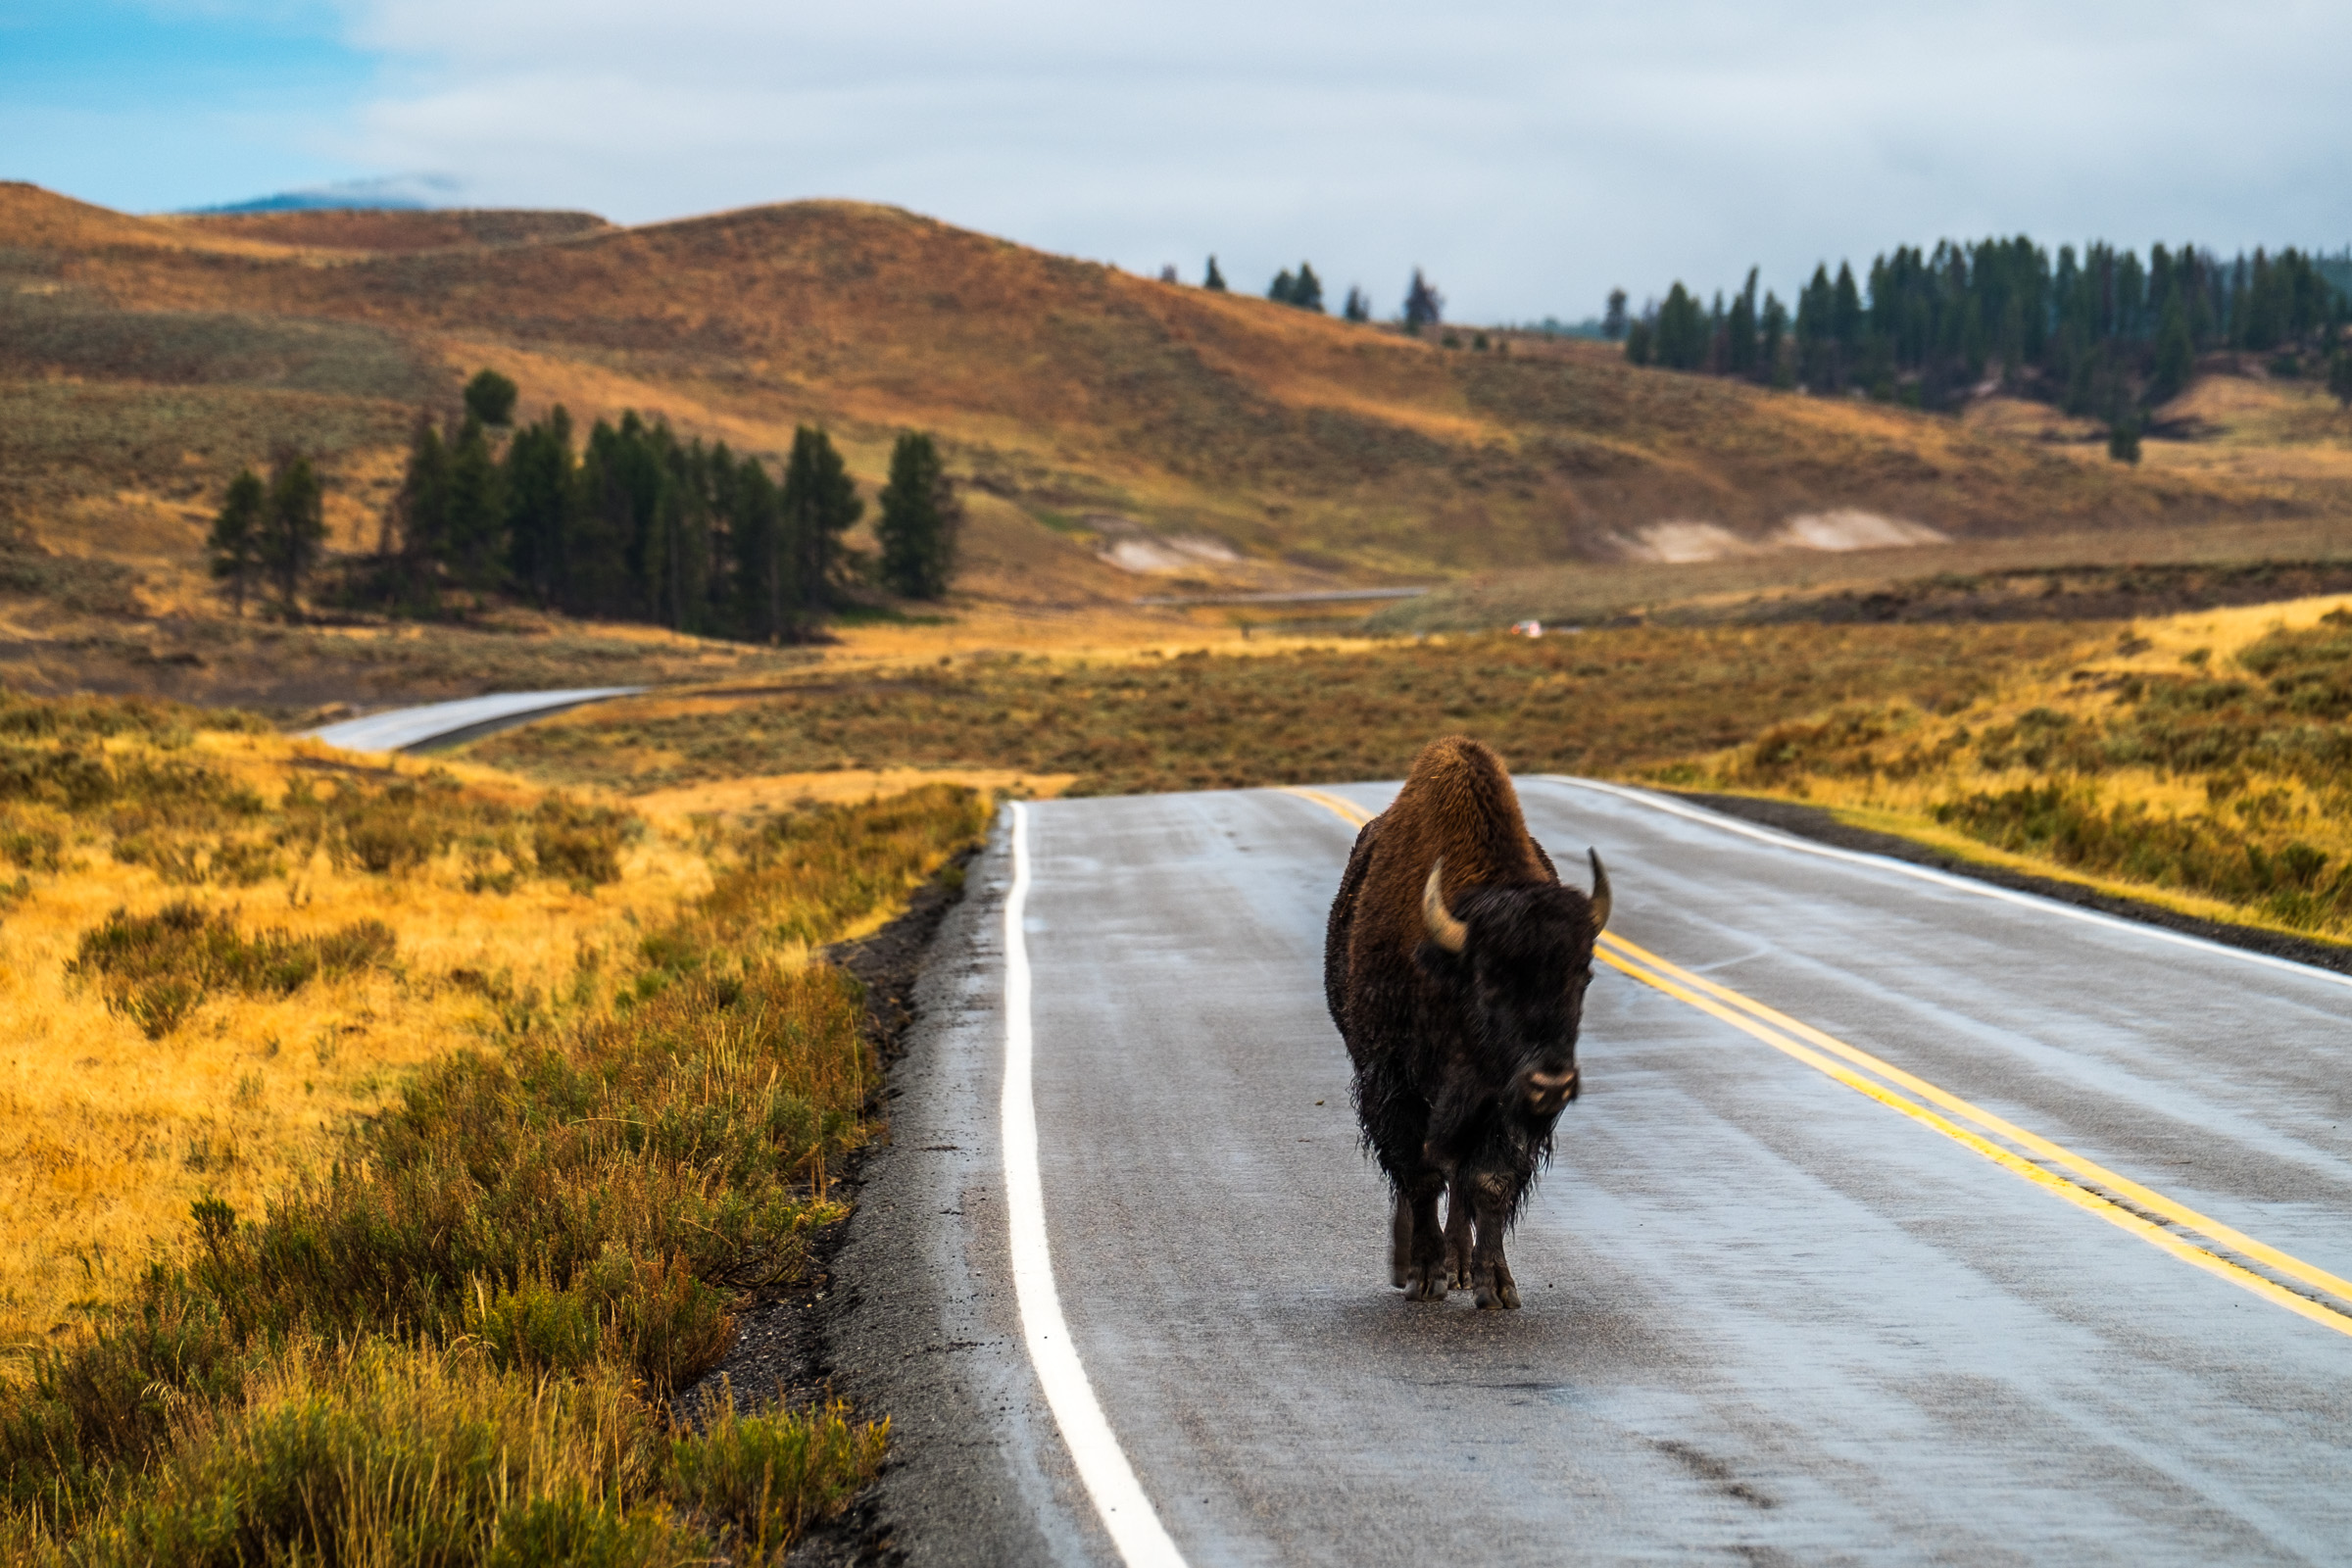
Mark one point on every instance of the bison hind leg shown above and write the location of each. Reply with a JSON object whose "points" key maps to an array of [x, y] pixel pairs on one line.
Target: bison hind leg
{"points": [[1501, 1290], [1400, 1244], [1459, 1236]]}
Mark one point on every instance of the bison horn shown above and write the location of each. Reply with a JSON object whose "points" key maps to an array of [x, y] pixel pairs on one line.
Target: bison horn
{"points": [[1444, 929], [1601, 893]]}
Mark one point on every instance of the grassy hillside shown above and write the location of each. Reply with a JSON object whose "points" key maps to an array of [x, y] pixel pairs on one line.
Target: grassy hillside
{"points": [[1081, 399]]}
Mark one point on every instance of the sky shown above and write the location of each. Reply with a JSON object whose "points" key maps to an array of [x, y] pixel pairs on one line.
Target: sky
{"points": [[1530, 154]]}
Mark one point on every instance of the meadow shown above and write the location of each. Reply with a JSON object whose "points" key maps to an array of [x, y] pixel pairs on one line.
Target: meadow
{"points": [[360, 1116], [1600, 702]]}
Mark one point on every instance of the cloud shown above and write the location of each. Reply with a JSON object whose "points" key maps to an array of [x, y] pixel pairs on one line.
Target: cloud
{"points": [[1531, 155]]}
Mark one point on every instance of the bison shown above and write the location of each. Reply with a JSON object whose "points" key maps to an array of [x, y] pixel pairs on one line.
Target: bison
{"points": [[1455, 966]]}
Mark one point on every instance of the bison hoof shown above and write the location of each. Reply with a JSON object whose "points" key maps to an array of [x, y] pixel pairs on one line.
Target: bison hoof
{"points": [[1426, 1285], [1493, 1296], [1401, 1276]]}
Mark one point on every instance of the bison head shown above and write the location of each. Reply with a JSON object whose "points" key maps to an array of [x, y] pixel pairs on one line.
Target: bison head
{"points": [[1518, 959]]}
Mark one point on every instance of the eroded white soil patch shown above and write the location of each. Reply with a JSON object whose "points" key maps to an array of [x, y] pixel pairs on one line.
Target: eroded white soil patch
{"points": [[1682, 539]]}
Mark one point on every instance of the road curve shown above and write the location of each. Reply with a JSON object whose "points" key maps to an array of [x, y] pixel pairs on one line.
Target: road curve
{"points": [[1780, 1306], [401, 730]]}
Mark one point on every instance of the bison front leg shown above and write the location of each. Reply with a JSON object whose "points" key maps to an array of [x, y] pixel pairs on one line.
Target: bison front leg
{"points": [[1420, 1243], [1489, 1273]]}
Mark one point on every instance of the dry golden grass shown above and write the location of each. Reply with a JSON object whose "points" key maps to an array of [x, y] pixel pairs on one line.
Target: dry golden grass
{"points": [[1299, 712], [106, 1136], [608, 1082], [760, 796], [2199, 760]]}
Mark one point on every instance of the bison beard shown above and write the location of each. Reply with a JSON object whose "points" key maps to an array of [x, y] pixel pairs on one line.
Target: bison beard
{"points": [[1455, 966]]}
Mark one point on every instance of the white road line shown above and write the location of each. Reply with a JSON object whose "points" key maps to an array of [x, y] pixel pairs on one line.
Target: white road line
{"points": [[1985, 890], [1135, 1527]]}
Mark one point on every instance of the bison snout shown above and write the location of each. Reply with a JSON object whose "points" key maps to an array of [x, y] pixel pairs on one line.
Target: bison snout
{"points": [[1547, 1092]]}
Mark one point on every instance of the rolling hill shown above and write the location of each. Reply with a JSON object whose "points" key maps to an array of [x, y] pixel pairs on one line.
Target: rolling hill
{"points": [[145, 359]]}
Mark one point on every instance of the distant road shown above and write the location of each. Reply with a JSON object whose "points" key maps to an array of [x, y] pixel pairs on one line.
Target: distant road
{"points": [[1314, 595], [402, 729], [1903, 1219]]}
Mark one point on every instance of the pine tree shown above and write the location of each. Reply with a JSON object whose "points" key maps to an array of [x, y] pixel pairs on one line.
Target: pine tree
{"points": [[819, 505], [542, 490], [490, 398], [1816, 336], [1739, 330], [1306, 289], [477, 509], [1612, 321], [293, 526], [1278, 291], [920, 521], [2339, 377], [1776, 329], [1682, 334], [1847, 316], [2176, 354], [1216, 280], [235, 546], [2123, 440], [1639, 343], [419, 516], [765, 587], [1424, 306], [1358, 307]]}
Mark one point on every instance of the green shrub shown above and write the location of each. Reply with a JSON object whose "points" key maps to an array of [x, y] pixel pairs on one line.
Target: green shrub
{"points": [[158, 967], [581, 844], [2068, 823], [769, 1475], [384, 1454]]}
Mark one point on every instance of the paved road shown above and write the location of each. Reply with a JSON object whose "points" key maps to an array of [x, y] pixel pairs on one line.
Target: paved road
{"points": [[401, 730], [1769, 1316]]}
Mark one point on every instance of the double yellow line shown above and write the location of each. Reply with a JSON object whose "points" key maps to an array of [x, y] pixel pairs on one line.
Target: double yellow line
{"points": [[2121, 1202]]}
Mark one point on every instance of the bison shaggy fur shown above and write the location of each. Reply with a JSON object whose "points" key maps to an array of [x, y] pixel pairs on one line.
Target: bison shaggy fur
{"points": [[1455, 966]]}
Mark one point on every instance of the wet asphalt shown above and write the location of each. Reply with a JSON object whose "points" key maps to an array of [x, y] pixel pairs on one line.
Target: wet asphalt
{"points": [[1767, 1318]]}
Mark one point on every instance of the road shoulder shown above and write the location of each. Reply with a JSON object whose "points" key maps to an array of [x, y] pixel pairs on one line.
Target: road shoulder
{"points": [[918, 1322]]}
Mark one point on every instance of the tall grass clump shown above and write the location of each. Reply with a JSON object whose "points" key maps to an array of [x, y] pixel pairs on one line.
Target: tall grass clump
{"points": [[456, 1342], [158, 967]]}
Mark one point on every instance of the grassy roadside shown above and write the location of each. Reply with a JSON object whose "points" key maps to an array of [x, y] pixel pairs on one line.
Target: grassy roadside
{"points": [[2203, 762], [451, 1340]]}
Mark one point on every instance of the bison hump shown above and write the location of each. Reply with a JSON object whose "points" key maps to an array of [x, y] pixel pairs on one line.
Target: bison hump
{"points": [[1458, 803]]}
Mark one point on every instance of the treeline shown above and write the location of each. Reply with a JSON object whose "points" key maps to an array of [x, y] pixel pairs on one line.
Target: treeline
{"points": [[635, 523], [1303, 290], [2100, 333]]}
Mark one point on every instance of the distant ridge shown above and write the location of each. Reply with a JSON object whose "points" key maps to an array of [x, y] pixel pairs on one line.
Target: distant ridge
{"points": [[308, 201], [404, 193]]}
